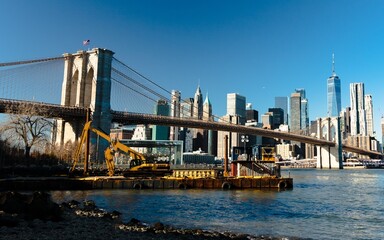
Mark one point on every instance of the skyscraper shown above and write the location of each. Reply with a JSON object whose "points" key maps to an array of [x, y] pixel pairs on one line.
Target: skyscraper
{"points": [[175, 112], [186, 108], [198, 104], [304, 122], [207, 109], [369, 114], [236, 106], [358, 120], [333, 93], [295, 110], [277, 117], [282, 102], [382, 130], [161, 132]]}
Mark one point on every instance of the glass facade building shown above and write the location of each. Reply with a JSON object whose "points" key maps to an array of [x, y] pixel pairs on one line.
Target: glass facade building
{"points": [[282, 102], [333, 96], [161, 132], [295, 116]]}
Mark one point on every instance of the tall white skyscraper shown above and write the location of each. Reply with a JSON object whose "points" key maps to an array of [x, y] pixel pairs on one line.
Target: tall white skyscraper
{"points": [[358, 116], [369, 114]]}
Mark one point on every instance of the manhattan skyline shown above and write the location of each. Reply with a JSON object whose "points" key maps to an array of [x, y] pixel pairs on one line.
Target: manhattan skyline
{"points": [[258, 49]]}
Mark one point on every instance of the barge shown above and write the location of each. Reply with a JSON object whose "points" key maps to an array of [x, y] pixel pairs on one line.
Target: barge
{"points": [[119, 182]]}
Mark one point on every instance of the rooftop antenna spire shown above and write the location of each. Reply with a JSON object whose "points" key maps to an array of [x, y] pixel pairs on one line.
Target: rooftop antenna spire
{"points": [[333, 64]]}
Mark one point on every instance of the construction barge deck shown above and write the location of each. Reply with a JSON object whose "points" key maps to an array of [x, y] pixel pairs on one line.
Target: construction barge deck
{"points": [[93, 183]]}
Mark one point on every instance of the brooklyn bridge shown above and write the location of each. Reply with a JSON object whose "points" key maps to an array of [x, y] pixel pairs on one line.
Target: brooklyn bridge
{"points": [[94, 81]]}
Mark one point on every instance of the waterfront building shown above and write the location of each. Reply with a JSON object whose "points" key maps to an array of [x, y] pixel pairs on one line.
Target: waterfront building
{"points": [[141, 132], [252, 120], [382, 130], [161, 132], [208, 134], [254, 141], [369, 114], [236, 114], [186, 108], [207, 109], [175, 112], [121, 133], [277, 117], [282, 102], [266, 119], [251, 114], [186, 134], [197, 113], [358, 116], [295, 112], [286, 151], [333, 93], [233, 137], [345, 122], [304, 122], [236, 106]]}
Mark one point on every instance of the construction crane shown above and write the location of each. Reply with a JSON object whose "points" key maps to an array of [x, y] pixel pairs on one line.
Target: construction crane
{"points": [[139, 165]]}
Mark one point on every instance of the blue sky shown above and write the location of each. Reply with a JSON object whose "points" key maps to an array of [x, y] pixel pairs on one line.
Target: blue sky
{"points": [[259, 49]]}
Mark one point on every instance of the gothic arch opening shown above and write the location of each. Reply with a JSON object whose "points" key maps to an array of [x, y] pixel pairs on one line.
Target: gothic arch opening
{"points": [[73, 88], [324, 132], [87, 91]]}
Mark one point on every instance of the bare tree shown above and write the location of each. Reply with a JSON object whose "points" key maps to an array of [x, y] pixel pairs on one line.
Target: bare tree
{"points": [[27, 130]]}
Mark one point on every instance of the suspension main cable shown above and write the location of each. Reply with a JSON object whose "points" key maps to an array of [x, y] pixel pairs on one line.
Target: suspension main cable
{"points": [[29, 61]]}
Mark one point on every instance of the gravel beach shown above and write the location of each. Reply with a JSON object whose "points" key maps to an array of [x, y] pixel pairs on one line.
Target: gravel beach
{"points": [[75, 220]]}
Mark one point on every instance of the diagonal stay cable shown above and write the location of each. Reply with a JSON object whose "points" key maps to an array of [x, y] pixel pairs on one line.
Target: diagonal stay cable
{"points": [[139, 74], [142, 94], [139, 84], [149, 80]]}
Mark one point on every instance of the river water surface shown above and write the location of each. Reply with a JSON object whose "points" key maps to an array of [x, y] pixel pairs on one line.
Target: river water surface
{"points": [[324, 204]]}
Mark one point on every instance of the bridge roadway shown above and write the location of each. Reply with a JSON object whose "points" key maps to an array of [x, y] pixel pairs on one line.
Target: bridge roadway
{"points": [[59, 111]]}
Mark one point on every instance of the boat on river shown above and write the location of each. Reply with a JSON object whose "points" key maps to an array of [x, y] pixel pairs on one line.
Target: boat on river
{"points": [[354, 163]]}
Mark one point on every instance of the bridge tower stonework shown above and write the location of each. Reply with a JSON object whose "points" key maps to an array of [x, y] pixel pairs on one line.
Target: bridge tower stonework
{"points": [[327, 156], [86, 83]]}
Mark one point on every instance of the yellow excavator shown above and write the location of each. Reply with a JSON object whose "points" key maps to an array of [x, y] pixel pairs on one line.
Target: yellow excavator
{"points": [[139, 166]]}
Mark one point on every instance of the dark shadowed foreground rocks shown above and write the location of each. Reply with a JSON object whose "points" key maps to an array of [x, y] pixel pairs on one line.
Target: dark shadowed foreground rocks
{"points": [[36, 216]]}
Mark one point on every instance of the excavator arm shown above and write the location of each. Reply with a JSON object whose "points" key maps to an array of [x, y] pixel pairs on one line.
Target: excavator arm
{"points": [[109, 153]]}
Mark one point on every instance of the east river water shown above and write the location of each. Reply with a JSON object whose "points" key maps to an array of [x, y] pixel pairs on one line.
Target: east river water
{"points": [[324, 204]]}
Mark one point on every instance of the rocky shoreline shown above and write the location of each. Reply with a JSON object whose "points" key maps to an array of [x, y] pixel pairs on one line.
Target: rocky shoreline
{"points": [[35, 216]]}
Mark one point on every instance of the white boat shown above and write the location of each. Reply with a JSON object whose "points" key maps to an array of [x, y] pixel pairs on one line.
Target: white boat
{"points": [[353, 163]]}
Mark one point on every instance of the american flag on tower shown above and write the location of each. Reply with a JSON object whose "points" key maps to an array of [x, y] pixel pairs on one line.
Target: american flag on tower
{"points": [[86, 42]]}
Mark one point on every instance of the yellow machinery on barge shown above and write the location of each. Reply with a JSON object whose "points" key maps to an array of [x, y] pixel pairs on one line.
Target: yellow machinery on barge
{"points": [[139, 165]]}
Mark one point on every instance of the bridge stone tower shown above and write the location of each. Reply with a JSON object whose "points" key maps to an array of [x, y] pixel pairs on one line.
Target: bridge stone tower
{"points": [[329, 157], [86, 83]]}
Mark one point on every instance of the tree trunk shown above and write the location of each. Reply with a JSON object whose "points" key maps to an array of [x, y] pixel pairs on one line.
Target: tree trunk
{"points": [[27, 151]]}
